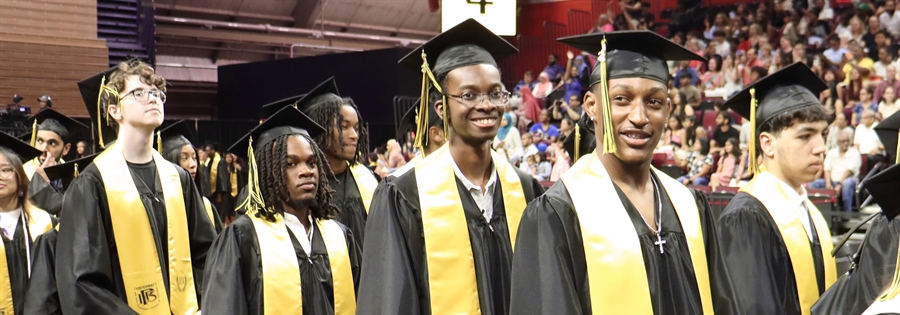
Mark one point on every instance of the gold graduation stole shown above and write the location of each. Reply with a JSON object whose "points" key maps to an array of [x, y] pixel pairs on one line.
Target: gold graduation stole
{"points": [[365, 182], [448, 249], [234, 183], [612, 249], [38, 223], [209, 211], [31, 166], [214, 173], [282, 291], [138, 258], [767, 189]]}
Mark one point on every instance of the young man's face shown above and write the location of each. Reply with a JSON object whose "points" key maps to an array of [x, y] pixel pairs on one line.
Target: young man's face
{"points": [[574, 101], [798, 150], [639, 112], [344, 135], [685, 81], [526, 139], [50, 143], [473, 123], [138, 112], [302, 171]]}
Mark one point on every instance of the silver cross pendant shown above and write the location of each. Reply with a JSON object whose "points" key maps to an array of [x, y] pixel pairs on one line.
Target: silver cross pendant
{"points": [[661, 243]]}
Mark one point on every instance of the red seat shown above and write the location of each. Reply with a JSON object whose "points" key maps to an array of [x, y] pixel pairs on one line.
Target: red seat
{"points": [[863, 168], [709, 122], [658, 159]]}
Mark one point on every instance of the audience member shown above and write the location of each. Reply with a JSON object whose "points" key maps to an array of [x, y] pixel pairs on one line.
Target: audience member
{"points": [[890, 18], [756, 73], [700, 163], [724, 131], [841, 170], [544, 130], [602, 25], [571, 80], [674, 133], [889, 104], [45, 102], [543, 87], [889, 80], [723, 47], [860, 62], [527, 80], [865, 103], [561, 161], [884, 61], [528, 149], [829, 97], [865, 140], [553, 69], [540, 167], [530, 110], [837, 127], [713, 78], [573, 108], [691, 93], [507, 141], [850, 93], [727, 162], [686, 71], [395, 155]]}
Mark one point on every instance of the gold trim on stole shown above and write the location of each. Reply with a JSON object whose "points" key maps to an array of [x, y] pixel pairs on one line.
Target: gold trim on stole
{"points": [[214, 173], [612, 248], [31, 166], [138, 256], [282, 292], [768, 190], [233, 180], [341, 271], [448, 248], [209, 211], [365, 183], [38, 223]]}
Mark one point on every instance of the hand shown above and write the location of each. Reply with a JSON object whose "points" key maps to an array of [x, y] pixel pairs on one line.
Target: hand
{"points": [[828, 184], [837, 188], [48, 162], [570, 55], [685, 181]]}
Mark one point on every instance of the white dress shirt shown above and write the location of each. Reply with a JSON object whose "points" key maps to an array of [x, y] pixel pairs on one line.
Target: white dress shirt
{"points": [[293, 223], [484, 198], [9, 221], [798, 203]]}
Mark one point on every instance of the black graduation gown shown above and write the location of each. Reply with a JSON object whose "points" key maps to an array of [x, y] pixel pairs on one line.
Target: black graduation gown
{"points": [[87, 265], [222, 197], [44, 195], [347, 198], [42, 296], [872, 273], [17, 264], [234, 280], [203, 173], [396, 280], [550, 242], [758, 260]]}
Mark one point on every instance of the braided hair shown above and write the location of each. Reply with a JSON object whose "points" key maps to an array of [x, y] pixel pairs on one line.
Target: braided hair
{"points": [[272, 166], [328, 114]]}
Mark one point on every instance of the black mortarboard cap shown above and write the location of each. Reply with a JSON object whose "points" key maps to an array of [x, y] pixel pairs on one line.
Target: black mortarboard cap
{"points": [[326, 91], [883, 187], [173, 137], [287, 121], [581, 136], [90, 93], [791, 88], [71, 169], [269, 109], [25, 151], [51, 120], [632, 54], [468, 43], [888, 131], [408, 122]]}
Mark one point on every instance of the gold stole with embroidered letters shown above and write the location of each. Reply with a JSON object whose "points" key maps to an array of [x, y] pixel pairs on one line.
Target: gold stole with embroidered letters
{"points": [[282, 293], [612, 249], [448, 249], [214, 173], [768, 190], [38, 223], [138, 256], [365, 182]]}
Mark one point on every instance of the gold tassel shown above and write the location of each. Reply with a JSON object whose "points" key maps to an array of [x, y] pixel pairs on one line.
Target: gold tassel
{"points": [[158, 142], [75, 173], [577, 143], [34, 132], [100, 112], [422, 112], [254, 200], [751, 142], [894, 289], [609, 137]]}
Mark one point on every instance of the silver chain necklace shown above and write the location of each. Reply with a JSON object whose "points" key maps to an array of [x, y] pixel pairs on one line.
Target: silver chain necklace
{"points": [[659, 240]]}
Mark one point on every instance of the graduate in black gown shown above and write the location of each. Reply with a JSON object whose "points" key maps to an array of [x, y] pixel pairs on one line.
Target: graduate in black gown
{"points": [[285, 255], [776, 242], [871, 279], [131, 215], [218, 179], [177, 148], [42, 296], [440, 236], [615, 235], [51, 135], [346, 145], [430, 140], [20, 223]]}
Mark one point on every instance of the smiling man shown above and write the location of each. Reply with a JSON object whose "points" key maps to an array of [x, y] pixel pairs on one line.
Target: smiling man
{"points": [[615, 235], [51, 135], [286, 255], [440, 235], [776, 242], [134, 233], [345, 143]]}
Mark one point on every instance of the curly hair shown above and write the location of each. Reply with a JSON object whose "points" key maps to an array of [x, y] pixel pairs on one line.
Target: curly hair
{"points": [[117, 80], [328, 115], [272, 172]]}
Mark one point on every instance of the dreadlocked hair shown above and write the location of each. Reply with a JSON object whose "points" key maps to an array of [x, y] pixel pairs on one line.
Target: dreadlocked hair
{"points": [[328, 114], [272, 166]]}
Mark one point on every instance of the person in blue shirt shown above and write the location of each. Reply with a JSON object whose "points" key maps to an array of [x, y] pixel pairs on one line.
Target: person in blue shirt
{"points": [[528, 80], [685, 69], [544, 130], [554, 70]]}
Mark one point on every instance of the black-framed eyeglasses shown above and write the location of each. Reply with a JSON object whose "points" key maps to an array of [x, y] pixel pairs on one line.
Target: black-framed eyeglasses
{"points": [[473, 99], [144, 95]]}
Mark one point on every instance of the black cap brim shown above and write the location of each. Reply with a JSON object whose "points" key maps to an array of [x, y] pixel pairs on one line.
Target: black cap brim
{"points": [[887, 132], [288, 120], [329, 86], [797, 75], [883, 188], [269, 109], [90, 92], [177, 134], [67, 170], [468, 32], [644, 42], [24, 150]]}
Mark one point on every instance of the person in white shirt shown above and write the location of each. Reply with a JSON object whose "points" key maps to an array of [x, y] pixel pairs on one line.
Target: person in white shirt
{"points": [[890, 18], [835, 53], [525, 150], [841, 170], [723, 47], [837, 127], [865, 140], [889, 103]]}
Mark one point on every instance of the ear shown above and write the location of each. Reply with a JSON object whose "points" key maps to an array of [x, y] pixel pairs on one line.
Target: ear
{"points": [[767, 145], [439, 108], [114, 112], [66, 149]]}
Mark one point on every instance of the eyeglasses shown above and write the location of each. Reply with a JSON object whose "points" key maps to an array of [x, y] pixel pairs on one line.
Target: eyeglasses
{"points": [[7, 172], [144, 95], [472, 99]]}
